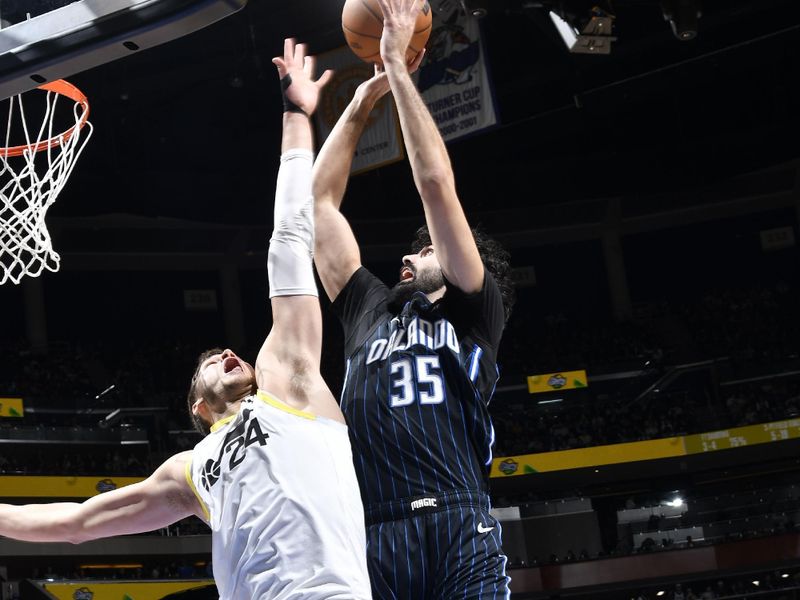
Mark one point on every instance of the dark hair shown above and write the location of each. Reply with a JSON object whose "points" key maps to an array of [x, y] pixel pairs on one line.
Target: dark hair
{"points": [[199, 424], [495, 258]]}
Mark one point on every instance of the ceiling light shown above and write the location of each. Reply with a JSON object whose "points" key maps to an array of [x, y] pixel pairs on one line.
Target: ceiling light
{"points": [[589, 36], [683, 17]]}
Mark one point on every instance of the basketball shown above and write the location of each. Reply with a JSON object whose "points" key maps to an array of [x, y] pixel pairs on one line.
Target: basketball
{"points": [[362, 23]]}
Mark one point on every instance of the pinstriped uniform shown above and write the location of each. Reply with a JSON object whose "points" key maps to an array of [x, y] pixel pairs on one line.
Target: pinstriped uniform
{"points": [[415, 397]]}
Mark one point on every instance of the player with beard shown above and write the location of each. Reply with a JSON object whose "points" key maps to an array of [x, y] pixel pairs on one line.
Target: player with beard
{"points": [[420, 357], [274, 476]]}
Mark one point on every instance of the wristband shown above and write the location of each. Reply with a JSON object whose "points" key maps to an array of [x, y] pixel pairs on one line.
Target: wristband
{"points": [[288, 105]]}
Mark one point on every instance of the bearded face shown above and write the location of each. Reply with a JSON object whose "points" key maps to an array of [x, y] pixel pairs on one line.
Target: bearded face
{"points": [[420, 273]]}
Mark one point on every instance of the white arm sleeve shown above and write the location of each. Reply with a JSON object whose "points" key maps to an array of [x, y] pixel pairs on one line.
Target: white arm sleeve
{"points": [[290, 257]]}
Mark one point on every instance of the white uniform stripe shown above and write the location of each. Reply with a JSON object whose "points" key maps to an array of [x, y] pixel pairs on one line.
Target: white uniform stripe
{"points": [[475, 363]]}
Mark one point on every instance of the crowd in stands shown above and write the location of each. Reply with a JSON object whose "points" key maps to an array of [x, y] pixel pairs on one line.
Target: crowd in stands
{"points": [[526, 427], [754, 327], [122, 461], [743, 334], [780, 584], [754, 330], [83, 376], [150, 570]]}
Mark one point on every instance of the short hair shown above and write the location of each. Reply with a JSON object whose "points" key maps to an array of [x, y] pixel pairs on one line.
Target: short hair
{"points": [[199, 424], [495, 258]]}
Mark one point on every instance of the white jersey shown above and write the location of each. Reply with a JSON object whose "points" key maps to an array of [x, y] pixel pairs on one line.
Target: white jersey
{"points": [[280, 494]]}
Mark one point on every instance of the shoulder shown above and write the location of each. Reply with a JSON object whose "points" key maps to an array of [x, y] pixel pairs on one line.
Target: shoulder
{"points": [[481, 311], [489, 293], [181, 491], [362, 293], [361, 281], [175, 468]]}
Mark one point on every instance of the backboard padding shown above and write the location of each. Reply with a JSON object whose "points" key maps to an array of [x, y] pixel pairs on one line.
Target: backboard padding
{"points": [[87, 33]]}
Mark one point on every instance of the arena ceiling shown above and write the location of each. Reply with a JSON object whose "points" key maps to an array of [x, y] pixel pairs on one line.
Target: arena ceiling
{"points": [[190, 130]]}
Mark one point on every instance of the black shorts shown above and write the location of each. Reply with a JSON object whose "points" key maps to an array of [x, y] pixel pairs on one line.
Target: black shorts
{"points": [[436, 547]]}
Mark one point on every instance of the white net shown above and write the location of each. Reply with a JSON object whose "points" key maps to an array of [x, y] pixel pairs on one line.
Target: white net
{"points": [[35, 163]]}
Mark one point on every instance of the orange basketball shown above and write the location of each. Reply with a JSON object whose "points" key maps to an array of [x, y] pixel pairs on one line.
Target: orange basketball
{"points": [[362, 23]]}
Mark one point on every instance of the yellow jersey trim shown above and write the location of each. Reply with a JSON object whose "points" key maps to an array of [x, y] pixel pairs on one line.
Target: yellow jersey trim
{"points": [[188, 473], [285, 407], [222, 422]]}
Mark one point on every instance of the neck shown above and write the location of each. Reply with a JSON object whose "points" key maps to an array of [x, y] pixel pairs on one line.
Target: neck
{"points": [[438, 294], [230, 409]]}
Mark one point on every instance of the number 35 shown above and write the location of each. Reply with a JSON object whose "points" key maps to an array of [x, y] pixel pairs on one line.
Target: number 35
{"points": [[421, 374]]}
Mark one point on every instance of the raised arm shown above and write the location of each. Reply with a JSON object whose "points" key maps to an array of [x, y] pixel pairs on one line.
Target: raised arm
{"points": [[336, 252], [292, 349], [160, 500], [430, 163]]}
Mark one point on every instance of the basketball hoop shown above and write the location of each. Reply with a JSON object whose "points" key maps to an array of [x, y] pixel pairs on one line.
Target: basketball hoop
{"points": [[33, 172]]}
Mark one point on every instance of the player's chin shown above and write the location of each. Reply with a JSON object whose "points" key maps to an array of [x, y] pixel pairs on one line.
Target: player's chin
{"points": [[240, 380]]}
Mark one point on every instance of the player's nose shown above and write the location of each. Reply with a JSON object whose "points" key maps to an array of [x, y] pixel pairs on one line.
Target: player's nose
{"points": [[409, 259], [227, 352]]}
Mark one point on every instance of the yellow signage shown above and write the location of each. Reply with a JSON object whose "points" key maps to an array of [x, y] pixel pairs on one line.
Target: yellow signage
{"points": [[552, 382], [737, 437], [132, 590], [11, 407], [580, 458], [24, 486]]}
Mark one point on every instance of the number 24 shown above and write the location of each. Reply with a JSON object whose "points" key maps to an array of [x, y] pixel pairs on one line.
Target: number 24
{"points": [[427, 371]]}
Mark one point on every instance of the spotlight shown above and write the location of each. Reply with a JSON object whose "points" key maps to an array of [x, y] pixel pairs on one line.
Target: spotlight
{"points": [[683, 17], [591, 35], [111, 419], [475, 8]]}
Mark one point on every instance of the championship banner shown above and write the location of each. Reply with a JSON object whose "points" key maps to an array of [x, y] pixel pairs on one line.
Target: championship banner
{"points": [[11, 407], [552, 382], [31, 486], [453, 78], [127, 590], [380, 143]]}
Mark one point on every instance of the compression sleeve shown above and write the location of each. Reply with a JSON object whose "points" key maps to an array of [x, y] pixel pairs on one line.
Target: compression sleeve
{"points": [[290, 257]]}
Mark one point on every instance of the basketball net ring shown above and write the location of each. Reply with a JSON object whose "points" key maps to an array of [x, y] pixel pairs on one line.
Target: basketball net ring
{"points": [[32, 174]]}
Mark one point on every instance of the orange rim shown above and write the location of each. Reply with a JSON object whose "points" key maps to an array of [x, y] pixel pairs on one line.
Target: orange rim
{"points": [[63, 88]]}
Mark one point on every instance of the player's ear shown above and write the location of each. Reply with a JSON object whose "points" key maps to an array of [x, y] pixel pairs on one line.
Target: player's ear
{"points": [[200, 409]]}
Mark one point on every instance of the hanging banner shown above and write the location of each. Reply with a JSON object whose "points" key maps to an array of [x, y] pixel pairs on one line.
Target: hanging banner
{"points": [[11, 407], [551, 382], [453, 78], [380, 143]]}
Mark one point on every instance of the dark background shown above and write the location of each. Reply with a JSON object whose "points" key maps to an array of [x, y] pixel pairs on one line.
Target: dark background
{"points": [[191, 130]]}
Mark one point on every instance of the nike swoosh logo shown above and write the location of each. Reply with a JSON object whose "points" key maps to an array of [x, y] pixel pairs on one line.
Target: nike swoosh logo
{"points": [[482, 529]]}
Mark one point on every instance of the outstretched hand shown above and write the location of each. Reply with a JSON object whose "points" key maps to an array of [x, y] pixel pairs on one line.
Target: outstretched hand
{"points": [[399, 20], [377, 86], [302, 91]]}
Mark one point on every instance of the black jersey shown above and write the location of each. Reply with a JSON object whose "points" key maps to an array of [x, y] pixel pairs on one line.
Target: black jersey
{"points": [[417, 386]]}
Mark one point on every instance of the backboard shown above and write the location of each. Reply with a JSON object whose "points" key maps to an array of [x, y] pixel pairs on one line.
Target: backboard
{"points": [[45, 40]]}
